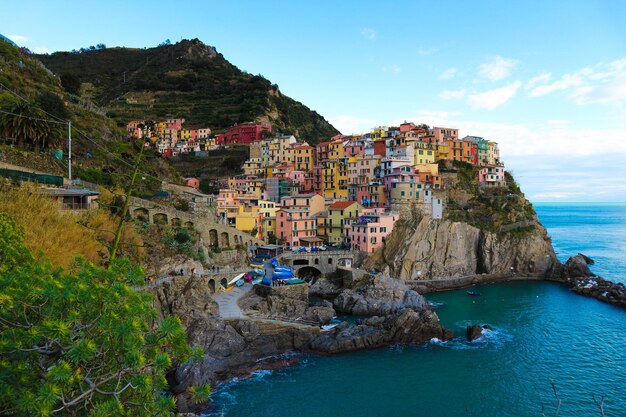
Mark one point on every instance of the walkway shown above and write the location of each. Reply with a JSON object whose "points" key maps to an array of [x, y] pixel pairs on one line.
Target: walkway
{"points": [[227, 302]]}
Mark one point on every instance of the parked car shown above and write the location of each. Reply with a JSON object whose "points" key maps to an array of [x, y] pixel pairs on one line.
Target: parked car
{"points": [[314, 249], [323, 247]]}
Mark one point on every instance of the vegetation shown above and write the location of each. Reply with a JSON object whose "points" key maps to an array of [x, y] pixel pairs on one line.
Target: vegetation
{"points": [[100, 147], [63, 236], [219, 163], [187, 79], [502, 209], [82, 343]]}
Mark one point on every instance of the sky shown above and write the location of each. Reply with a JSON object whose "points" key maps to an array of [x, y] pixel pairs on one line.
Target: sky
{"points": [[544, 79]]}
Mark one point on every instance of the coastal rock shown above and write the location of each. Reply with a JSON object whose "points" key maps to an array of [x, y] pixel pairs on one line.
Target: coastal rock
{"points": [[440, 249], [476, 331], [407, 326], [578, 266], [325, 288], [378, 296], [289, 303]]}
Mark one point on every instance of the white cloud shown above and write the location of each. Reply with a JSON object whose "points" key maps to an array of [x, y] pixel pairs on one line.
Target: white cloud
{"points": [[449, 74], [40, 50], [498, 68], [347, 124], [492, 99], [541, 78], [603, 83], [452, 94], [368, 33], [426, 51], [19, 39], [611, 92], [566, 81]]}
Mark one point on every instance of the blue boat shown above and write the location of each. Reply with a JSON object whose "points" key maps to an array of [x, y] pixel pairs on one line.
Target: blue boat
{"points": [[282, 275], [473, 293], [274, 262]]}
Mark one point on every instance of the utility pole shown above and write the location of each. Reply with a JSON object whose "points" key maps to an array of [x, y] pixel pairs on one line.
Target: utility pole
{"points": [[69, 149], [118, 232]]}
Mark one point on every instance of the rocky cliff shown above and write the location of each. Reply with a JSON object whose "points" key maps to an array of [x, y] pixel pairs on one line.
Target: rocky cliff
{"points": [[439, 249], [235, 345]]}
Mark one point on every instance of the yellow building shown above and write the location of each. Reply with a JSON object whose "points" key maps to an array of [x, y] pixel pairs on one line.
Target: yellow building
{"points": [[423, 153], [341, 214], [441, 151], [335, 150], [304, 158], [335, 179], [246, 219]]}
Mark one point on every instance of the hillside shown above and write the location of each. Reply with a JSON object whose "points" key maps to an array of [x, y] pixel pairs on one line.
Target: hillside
{"points": [[101, 151], [188, 79]]}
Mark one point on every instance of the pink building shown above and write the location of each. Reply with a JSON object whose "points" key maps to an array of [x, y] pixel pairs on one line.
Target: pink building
{"points": [[403, 173], [176, 124], [354, 147], [192, 182], [296, 228], [369, 230], [312, 203], [491, 176], [407, 126], [443, 134]]}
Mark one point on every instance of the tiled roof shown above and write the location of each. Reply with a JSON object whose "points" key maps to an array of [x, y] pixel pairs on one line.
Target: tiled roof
{"points": [[340, 205]]}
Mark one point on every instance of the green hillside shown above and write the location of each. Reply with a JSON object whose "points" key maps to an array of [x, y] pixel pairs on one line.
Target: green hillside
{"points": [[101, 150], [188, 79]]}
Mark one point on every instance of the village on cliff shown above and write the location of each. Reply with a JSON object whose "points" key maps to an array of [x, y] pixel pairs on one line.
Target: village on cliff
{"points": [[347, 192]]}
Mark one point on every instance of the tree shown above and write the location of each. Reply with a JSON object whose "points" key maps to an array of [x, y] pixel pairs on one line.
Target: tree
{"points": [[29, 125], [82, 343], [71, 83]]}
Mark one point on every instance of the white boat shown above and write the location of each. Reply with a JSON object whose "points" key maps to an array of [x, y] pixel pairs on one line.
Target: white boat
{"points": [[234, 280]]}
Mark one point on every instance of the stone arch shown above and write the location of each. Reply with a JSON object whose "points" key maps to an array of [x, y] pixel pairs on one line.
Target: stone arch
{"points": [[141, 214], [309, 273], [212, 285], [317, 261], [249, 243], [224, 240], [176, 222], [224, 282], [213, 238], [189, 224], [159, 218], [347, 262]]}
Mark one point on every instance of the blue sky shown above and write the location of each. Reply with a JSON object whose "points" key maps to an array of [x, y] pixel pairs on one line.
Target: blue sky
{"points": [[545, 79]]}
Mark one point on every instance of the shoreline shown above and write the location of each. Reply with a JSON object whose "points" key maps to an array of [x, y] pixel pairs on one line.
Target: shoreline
{"points": [[596, 287]]}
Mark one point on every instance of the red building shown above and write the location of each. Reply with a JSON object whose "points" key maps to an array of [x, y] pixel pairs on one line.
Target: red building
{"points": [[244, 133]]}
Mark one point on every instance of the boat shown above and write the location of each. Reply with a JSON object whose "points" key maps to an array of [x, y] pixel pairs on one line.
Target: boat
{"points": [[258, 272], [237, 278], [283, 268], [274, 262], [473, 293], [240, 283], [282, 275]]}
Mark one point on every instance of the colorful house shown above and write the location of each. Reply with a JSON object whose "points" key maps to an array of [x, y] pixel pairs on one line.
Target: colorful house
{"points": [[491, 176], [340, 215], [369, 231], [295, 226]]}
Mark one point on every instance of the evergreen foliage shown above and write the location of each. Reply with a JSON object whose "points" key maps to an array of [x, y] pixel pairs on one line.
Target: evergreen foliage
{"points": [[82, 342]]}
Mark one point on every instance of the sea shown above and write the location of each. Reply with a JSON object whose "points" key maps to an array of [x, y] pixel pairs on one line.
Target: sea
{"points": [[549, 348]]}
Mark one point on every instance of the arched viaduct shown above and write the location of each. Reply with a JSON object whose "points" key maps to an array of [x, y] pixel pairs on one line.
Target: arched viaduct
{"points": [[215, 235], [314, 264]]}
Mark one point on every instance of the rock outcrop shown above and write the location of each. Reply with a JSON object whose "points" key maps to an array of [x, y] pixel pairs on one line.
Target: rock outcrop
{"points": [[378, 296], [290, 302], [474, 332], [434, 249]]}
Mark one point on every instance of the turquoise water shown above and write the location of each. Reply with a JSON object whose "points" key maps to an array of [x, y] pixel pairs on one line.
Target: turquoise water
{"points": [[542, 333], [597, 230]]}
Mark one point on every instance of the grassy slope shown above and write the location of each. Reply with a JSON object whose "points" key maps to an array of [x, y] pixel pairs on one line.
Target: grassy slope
{"points": [[190, 80], [105, 164]]}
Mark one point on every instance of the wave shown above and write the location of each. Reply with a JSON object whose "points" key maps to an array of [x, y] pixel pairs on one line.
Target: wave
{"points": [[490, 339]]}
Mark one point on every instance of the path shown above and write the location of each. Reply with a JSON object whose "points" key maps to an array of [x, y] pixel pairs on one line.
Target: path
{"points": [[227, 302]]}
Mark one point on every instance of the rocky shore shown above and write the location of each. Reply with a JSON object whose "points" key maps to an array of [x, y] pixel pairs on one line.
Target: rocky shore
{"points": [[282, 321]]}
